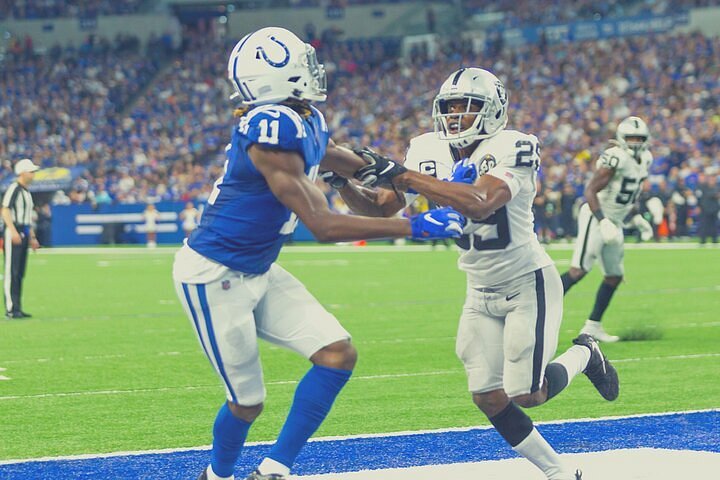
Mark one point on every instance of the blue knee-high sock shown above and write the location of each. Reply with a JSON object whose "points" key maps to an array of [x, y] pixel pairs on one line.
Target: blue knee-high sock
{"points": [[229, 434], [314, 397]]}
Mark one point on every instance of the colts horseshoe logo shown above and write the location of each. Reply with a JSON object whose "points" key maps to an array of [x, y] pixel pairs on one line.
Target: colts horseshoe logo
{"points": [[281, 63]]}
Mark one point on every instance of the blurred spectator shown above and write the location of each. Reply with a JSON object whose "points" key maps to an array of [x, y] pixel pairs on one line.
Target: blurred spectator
{"points": [[708, 194], [81, 108], [151, 217], [190, 218], [567, 211], [43, 228]]}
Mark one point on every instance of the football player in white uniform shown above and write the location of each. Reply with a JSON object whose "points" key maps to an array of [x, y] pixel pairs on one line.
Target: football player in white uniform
{"points": [[611, 193], [509, 326]]}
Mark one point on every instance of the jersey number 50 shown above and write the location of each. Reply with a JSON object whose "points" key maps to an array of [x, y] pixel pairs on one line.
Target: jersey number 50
{"points": [[629, 190], [499, 220]]}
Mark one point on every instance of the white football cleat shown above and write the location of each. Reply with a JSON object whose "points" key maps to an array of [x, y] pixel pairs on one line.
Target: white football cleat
{"points": [[595, 330]]}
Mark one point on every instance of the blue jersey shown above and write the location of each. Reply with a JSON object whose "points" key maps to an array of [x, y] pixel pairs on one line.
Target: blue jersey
{"points": [[244, 225]]}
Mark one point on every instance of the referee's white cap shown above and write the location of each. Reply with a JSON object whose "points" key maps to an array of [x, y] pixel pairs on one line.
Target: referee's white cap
{"points": [[25, 165]]}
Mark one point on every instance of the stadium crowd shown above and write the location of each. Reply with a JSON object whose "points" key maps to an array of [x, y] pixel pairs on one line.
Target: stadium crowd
{"points": [[37, 9], [151, 127], [517, 13]]}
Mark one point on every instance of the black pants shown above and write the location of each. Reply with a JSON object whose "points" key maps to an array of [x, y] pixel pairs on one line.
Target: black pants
{"points": [[708, 227], [15, 263]]}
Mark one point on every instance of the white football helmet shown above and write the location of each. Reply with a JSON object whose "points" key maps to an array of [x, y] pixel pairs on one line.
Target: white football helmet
{"points": [[271, 65], [635, 128], [478, 87]]}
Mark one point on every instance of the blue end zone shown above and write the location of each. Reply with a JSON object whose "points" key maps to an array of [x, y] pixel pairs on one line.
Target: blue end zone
{"points": [[683, 431]]}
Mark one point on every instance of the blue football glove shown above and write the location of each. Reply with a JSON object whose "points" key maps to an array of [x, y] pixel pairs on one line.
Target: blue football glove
{"points": [[437, 224], [463, 172]]}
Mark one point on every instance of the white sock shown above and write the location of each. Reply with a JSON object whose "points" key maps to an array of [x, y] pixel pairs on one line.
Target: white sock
{"points": [[536, 449], [269, 466], [213, 476], [575, 360]]}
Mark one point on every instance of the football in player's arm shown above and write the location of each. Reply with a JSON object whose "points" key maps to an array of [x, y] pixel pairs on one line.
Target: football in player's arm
{"points": [[611, 194]]}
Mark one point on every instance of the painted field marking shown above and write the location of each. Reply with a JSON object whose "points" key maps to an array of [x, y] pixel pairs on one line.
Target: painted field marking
{"points": [[636, 464], [370, 436], [454, 371], [170, 250], [384, 456]]}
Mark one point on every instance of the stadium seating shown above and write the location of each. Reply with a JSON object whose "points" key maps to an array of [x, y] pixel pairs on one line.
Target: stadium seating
{"points": [[126, 116]]}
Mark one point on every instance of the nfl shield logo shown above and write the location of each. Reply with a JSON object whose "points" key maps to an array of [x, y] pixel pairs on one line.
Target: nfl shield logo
{"points": [[226, 284]]}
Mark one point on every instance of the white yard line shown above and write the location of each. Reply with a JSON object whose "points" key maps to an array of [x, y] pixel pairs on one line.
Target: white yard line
{"points": [[454, 371], [358, 436], [169, 250]]}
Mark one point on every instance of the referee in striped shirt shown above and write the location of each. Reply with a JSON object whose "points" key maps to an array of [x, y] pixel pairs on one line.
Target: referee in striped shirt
{"points": [[17, 209]]}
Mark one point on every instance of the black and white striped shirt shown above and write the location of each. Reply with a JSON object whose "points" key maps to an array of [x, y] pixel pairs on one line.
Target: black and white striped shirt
{"points": [[20, 202]]}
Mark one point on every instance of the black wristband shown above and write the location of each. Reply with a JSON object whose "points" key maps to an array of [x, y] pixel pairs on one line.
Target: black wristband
{"points": [[338, 182], [599, 214]]}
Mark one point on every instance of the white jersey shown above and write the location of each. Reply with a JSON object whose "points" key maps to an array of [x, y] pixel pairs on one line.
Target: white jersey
{"points": [[504, 245], [618, 197]]}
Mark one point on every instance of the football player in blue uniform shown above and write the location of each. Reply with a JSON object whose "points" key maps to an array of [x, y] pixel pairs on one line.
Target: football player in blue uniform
{"points": [[226, 276]]}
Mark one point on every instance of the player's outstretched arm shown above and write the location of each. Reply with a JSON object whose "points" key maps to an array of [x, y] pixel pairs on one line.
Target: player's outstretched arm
{"points": [[284, 173], [477, 201], [365, 201], [341, 160]]}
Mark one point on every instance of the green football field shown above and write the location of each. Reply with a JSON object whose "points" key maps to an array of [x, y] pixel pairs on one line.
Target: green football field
{"points": [[110, 363]]}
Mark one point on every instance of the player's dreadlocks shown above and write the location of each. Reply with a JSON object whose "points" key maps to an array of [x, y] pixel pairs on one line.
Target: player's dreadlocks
{"points": [[302, 108]]}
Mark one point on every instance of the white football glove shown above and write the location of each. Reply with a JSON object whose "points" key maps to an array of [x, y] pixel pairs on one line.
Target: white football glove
{"points": [[643, 226], [609, 232], [656, 209]]}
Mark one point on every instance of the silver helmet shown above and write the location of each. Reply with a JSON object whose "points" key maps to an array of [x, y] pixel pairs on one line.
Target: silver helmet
{"points": [[485, 98], [633, 134]]}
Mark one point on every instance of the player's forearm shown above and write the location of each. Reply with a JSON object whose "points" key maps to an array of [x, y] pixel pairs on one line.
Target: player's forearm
{"points": [[362, 201], [464, 198], [371, 203], [338, 228], [341, 161], [594, 203]]}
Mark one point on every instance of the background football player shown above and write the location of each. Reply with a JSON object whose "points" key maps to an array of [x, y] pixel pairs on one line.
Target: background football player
{"points": [[508, 330], [611, 194], [225, 275]]}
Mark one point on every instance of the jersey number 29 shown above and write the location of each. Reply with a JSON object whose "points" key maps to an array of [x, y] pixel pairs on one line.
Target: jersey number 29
{"points": [[499, 220]]}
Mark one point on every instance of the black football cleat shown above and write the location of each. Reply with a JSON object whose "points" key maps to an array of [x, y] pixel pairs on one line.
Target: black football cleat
{"points": [[17, 315], [601, 373], [256, 475], [25, 315], [578, 475], [203, 475]]}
